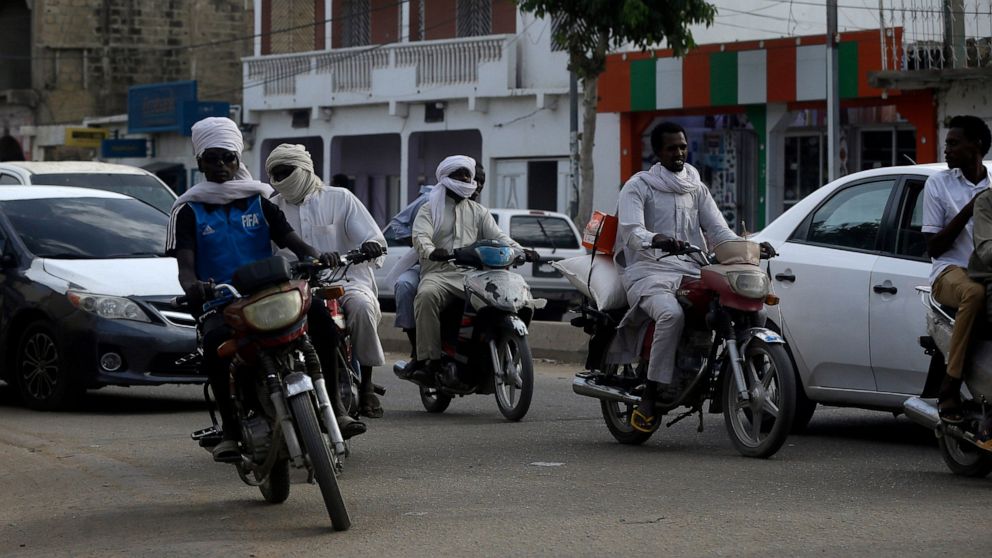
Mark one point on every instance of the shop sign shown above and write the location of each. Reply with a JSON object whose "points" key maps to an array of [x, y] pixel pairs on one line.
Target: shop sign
{"points": [[85, 137], [117, 148]]}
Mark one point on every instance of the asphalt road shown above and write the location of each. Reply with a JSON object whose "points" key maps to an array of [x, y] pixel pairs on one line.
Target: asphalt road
{"points": [[120, 477]]}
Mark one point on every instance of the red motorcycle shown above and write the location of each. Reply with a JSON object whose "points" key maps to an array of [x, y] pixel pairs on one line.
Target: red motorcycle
{"points": [[725, 356]]}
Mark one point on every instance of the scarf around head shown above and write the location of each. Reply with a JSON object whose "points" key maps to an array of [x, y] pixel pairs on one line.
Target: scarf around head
{"points": [[461, 189], [221, 133], [664, 180], [301, 182]]}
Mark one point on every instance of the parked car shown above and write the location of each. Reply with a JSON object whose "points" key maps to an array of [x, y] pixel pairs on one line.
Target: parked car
{"points": [[553, 235], [84, 291], [850, 256], [123, 179]]}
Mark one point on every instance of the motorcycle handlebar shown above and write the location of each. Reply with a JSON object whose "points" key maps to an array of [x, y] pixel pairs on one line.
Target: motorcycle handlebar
{"points": [[692, 249]]}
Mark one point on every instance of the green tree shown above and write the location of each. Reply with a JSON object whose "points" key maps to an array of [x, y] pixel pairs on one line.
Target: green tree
{"points": [[587, 29]]}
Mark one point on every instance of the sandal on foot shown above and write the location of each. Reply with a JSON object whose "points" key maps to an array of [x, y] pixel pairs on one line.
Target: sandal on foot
{"points": [[642, 422], [370, 406], [950, 413]]}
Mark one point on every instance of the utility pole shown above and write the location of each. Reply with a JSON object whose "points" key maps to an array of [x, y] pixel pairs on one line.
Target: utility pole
{"points": [[833, 95], [573, 141], [955, 51]]}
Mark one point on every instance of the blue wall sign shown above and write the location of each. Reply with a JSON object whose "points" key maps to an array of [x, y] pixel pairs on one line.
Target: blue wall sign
{"points": [[158, 107], [113, 148]]}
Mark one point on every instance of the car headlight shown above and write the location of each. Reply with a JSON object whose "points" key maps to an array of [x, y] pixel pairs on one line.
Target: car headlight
{"points": [[110, 307], [275, 311], [749, 284]]}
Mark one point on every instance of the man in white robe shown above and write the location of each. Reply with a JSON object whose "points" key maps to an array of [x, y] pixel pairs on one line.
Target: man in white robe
{"points": [[448, 221], [665, 208], [331, 219]]}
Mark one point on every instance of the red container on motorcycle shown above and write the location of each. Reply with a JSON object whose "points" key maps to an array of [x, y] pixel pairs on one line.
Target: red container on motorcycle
{"points": [[273, 316]]}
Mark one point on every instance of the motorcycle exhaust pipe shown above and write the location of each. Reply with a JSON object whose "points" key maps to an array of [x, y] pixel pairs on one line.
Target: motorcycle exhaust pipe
{"points": [[586, 386], [921, 412]]}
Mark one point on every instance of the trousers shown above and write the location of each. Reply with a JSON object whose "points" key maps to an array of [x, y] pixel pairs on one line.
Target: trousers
{"points": [[954, 288]]}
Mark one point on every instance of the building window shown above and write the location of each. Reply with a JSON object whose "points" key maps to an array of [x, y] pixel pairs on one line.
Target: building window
{"points": [[474, 18], [887, 148], [357, 28], [805, 166]]}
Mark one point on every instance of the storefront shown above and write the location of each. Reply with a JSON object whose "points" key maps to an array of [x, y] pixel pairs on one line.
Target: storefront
{"points": [[755, 116]]}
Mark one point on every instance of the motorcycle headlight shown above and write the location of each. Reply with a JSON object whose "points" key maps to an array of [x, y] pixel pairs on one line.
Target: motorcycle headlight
{"points": [[749, 284], [275, 311], [110, 307]]}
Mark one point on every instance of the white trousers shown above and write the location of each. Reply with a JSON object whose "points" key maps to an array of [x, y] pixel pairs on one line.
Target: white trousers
{"points": [[669, 320], [362, 314]]}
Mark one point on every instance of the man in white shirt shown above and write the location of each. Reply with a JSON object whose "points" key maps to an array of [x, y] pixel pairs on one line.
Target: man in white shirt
{"points": [[948, 204], [332, 219]]}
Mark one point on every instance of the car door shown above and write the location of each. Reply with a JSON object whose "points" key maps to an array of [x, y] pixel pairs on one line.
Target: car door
{"points": [[823, 280], [895, 311]]}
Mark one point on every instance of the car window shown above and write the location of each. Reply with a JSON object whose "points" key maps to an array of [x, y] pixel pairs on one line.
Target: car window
{"points": [[542, 232], [852, 217], [88, 228], [139, 186], [910, 242], [8, 179]]}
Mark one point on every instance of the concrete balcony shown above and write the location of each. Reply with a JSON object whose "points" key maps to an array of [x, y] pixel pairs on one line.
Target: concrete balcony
{"points": [[475, 67]]}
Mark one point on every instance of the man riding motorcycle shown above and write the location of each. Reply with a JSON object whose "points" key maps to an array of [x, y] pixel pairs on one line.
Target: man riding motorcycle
{"points": [[667, 207], [216, 227], [449, 220], [333, 220]]}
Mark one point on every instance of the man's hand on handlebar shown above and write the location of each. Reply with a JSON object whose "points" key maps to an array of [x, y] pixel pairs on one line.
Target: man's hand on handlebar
{"points": [[330, 259], [767, 250], [668, 244], [531, 255], [199, 292], [439, 255], [372, 250]]}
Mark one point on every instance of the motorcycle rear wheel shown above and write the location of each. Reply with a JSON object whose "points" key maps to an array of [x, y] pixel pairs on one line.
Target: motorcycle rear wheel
{"points": [[617, 418], [275, 489], [515, 358], [964, 459], [759, 428], [320, 459], [433, 400]]}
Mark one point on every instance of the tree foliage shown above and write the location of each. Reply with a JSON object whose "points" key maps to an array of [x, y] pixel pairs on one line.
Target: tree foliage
{"points": [[584, 27]]}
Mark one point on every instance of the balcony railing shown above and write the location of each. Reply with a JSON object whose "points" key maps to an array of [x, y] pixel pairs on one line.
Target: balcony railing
{"points": [[437, 63], [936, 34]]}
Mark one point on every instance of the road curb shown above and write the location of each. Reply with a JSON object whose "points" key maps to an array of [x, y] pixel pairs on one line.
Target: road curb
{"points": [[554, 340]]}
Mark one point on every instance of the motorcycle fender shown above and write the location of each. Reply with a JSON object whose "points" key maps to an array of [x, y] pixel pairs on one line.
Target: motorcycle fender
{"points": [[766, 335], [297, 383], [517, 325]]}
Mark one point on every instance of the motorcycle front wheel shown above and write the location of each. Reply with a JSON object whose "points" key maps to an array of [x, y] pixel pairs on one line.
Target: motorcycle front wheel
{"points": [[513, 384], [759, 426], [617, 416], [964, 459], [320, 459]]}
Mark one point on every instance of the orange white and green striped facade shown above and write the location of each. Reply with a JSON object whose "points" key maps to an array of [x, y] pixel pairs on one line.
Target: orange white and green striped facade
{"points": [[748, 77]]}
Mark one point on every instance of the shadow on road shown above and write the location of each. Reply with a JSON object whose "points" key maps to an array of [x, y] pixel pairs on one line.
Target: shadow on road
{"points": [[875, 427]]}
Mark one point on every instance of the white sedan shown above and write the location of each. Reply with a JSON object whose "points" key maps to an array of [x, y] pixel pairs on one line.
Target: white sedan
{"points": [[850, 257]]}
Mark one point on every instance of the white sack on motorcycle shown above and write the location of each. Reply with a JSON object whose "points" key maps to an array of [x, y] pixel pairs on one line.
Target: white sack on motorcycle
{"points": [[605, 289]]}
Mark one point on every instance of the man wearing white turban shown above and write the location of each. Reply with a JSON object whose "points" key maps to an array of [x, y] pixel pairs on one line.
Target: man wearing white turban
{"points": [[449, 220], [216, 227], [333, 220]]}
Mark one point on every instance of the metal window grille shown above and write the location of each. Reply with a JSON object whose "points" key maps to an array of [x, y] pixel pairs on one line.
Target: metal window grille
{"points": [[474, 18], [357, 25]]}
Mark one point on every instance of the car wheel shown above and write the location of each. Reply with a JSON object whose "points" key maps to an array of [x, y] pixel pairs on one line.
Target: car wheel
{"points": [[40, 374]]}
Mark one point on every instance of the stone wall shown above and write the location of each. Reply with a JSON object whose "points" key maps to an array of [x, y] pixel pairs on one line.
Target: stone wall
{"points": [[89, 52]]}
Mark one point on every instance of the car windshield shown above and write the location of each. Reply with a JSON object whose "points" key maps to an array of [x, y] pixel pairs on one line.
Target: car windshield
{"points": [[143, 187], [88, 228]]}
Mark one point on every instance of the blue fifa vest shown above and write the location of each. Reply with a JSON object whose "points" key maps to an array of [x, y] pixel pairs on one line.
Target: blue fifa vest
{"points": [[228, 237]]}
